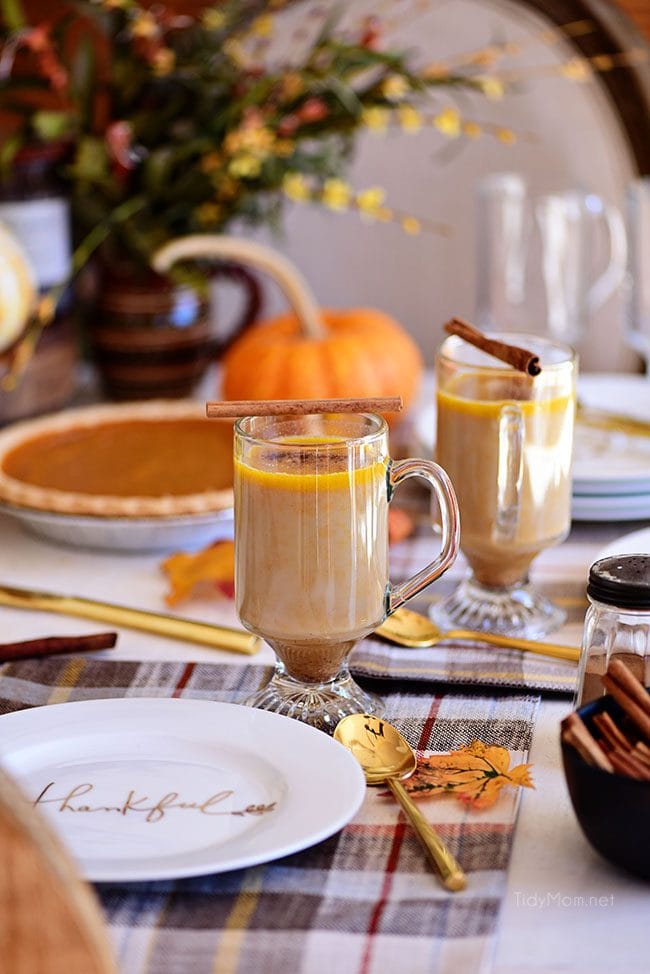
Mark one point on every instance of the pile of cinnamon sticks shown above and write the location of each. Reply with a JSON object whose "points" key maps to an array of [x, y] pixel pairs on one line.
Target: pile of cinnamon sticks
{"points": [[621, 746]]}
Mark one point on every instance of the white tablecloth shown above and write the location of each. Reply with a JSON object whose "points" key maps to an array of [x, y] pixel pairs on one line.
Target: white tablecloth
{"points": [[565, 910]]}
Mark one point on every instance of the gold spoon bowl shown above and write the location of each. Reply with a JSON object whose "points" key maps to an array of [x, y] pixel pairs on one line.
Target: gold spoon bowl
{"points": [[387, 758], [408, 628]]}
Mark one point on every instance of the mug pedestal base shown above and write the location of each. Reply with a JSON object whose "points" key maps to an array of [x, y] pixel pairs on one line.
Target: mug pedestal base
{"points": [[321, 705], [512, 610]]}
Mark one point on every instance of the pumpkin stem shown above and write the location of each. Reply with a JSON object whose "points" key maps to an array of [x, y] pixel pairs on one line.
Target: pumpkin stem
{"points": [[286, 275]]}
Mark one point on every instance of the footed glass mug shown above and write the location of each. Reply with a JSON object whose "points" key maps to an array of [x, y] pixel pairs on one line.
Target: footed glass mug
{"points": [[505, 438], [311, 551]]}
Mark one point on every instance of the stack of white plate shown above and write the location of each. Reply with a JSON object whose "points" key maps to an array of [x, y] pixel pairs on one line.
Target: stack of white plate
{"points": [[611, 471]]}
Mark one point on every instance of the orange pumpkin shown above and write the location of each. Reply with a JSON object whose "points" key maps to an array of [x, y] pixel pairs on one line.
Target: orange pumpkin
{"points": [[361, 352]]}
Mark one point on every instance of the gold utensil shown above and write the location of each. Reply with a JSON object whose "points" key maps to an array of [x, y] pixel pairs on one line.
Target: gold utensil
{"points": [[387, 758], [189, 630], [408, 628], [612, 422]]}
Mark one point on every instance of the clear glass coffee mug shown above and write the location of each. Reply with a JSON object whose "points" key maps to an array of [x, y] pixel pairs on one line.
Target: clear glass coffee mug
{"points": [[505, 438], [311, 551], [535, 257]]}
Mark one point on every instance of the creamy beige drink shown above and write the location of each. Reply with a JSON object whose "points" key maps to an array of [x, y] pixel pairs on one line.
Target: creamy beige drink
{"points": [[311, 551], [509, 459]]}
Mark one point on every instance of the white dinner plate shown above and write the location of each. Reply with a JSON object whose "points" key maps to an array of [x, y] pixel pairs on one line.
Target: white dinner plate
{"points": [[636, 543], [606, 462], [126, 534], [146, 789]]}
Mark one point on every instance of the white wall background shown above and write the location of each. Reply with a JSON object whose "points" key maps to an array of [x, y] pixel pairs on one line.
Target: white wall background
{"points": [[571, 137]]}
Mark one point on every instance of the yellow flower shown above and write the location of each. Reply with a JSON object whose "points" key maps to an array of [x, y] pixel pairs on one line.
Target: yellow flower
{"points": [[394, 87], [163, 61], [507, 136], [472, 130], [492, 88], [410, 225], [296, 187], [262, 26], [208, 213], [213, 19], [375, 118], [256, 140], [370, 200], [144, 25], [577, 69], [245, 166], [409, 118], [336, 194], [448, 122]]}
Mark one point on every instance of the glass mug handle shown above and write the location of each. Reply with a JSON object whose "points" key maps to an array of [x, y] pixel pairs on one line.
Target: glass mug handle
{"points": [[510, 469], [441, 486], [614, 274]]}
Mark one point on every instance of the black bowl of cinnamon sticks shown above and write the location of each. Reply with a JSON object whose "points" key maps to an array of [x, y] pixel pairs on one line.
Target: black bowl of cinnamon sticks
{"points": [[606, 756]]}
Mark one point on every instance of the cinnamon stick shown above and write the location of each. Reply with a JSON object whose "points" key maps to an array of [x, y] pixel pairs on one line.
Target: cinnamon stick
{"points": [[630, 695], [575, 732], [520, 359], [624, 762], [52, 645], [612, 734], [302, 407], [632, 685]]}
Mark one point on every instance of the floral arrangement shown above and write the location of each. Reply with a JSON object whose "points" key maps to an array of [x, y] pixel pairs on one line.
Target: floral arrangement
{"points": [[179, 124]]}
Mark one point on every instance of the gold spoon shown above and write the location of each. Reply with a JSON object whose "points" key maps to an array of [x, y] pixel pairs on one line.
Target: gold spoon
{"points": [[408, 628], [387, 758]]}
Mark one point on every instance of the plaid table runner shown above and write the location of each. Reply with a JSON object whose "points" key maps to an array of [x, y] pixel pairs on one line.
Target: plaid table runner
{"points": [[466, 663], [364, 901]]}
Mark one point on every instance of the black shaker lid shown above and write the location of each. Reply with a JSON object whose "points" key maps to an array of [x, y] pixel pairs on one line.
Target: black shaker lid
{"points": [[622, 580]]}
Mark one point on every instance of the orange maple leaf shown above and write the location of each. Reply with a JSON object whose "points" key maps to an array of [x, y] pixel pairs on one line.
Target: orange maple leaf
{"points": [[214, 565], [475, 774]]}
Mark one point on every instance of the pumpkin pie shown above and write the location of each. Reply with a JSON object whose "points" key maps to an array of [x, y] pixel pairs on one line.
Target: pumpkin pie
{"points": [[157, 458]]}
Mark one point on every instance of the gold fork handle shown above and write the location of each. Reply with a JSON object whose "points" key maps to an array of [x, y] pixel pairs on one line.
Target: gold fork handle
{"points": [[513, 642], [451, 874]]}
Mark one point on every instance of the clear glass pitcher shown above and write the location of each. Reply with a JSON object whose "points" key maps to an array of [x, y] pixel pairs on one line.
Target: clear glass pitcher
{"points": [[535, 258]]}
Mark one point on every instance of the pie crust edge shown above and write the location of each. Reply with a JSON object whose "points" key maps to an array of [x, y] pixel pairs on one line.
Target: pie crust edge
{"points": [[50, 499]]}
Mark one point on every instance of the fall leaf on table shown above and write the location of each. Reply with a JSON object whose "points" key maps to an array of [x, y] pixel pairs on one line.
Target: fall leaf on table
{"points": [[188, 573], [475, 774]]}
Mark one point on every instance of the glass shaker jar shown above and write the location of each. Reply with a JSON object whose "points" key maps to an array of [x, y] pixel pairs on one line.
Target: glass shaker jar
{"points": [[617, 623]]}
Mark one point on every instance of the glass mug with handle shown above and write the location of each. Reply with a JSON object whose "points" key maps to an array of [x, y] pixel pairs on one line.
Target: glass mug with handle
{"points": [[535, 257], [311, 551], [505, 438]]}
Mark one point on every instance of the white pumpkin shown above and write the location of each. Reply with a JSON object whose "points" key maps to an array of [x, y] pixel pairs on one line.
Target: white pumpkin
{"points": [[17, 288]]}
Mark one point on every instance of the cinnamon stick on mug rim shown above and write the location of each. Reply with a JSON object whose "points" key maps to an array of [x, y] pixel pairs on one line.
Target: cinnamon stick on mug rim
{"points": [[51, 645], [302, 407], [520, 359]]}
